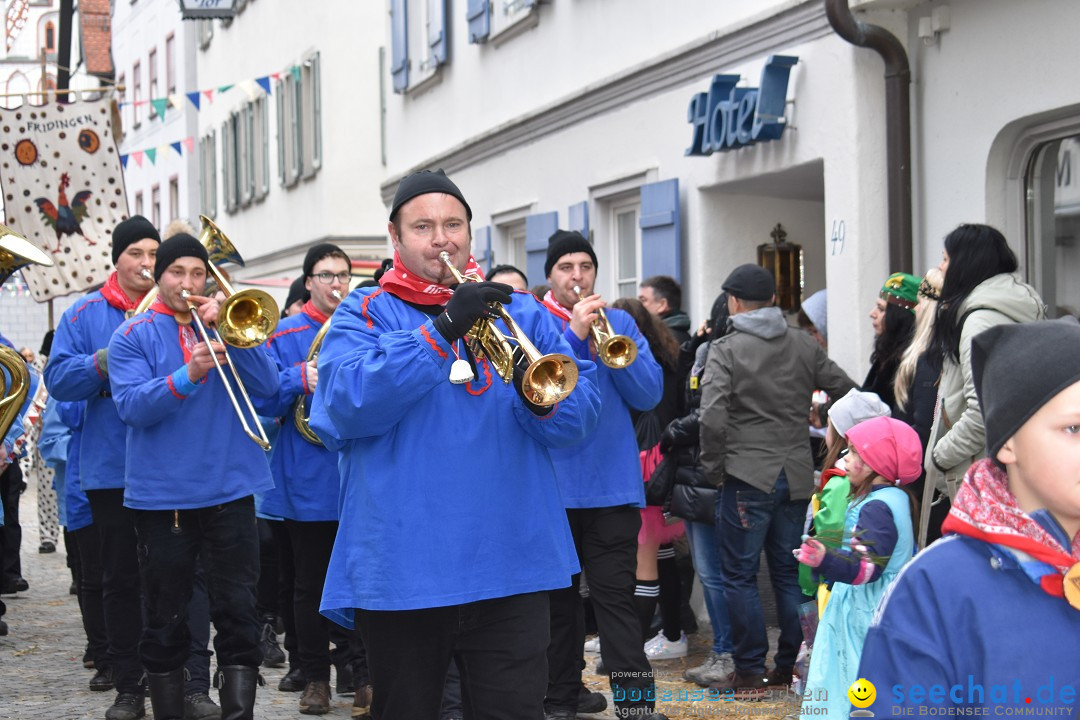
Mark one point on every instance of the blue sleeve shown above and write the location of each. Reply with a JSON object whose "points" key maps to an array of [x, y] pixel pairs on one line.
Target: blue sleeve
{"points": [[571, 420], [72, 372], [641, 384], [71, 413], [55, 435], [142, 398], [371, 372], [579, 346], [256, 369], [876, 530], [16, 430], [291, 384]]}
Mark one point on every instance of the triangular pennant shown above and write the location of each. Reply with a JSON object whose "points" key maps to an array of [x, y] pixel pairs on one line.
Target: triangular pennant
{"points": [[276, 76], [151, 154], [190, 143], [224, 88], [194, 98], [209, 95], [176, 100], [159, 106], [176, 146], [123, 161], [295, 70], [138, 157], [264, 83], [140, 103]]}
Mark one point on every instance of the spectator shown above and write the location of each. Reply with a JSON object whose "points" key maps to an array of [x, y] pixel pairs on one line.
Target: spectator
{"points": [[662, 296], [893, 317], [510, 275]]}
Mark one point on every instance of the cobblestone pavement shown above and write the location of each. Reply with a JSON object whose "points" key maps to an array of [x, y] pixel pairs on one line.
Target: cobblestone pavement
{"points": [[42, 677]]}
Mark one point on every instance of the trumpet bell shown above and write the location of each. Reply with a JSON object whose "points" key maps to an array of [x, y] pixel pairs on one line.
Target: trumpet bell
{"points": [[16, 252], [247, 318], [618, 351], [549, 379], [217, 244]]}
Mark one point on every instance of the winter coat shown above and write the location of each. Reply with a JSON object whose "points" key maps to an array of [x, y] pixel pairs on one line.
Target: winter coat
{"points": [[693, 498], [679, 324], [958, 437], [757, 389]]}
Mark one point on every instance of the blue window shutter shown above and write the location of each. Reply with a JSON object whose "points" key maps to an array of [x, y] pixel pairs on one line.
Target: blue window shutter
{"points": [[661, 241], [538, 228], [579, 218], [481, 247], [437, 30], [479, 16], [399, 46]]}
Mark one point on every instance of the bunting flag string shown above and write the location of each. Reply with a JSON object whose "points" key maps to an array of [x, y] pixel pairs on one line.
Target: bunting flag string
{"points": [[153, 154]]}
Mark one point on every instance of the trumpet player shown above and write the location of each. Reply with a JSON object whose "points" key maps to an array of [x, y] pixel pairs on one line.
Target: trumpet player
{"points": [[451, 530], [602, 489], [190, 478], [306, 481]]}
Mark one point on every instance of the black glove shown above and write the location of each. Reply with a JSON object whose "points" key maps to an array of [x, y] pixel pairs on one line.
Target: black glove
{"points": [[468, 304], [667, 440]]}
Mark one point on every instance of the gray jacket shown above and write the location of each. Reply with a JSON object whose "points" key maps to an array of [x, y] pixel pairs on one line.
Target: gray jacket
{"points": [[756, 395]]}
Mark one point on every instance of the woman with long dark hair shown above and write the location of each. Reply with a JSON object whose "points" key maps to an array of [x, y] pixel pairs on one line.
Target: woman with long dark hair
{"points": [[980, 290], [893, 317]]}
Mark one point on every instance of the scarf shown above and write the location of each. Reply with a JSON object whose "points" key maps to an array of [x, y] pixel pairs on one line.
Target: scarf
{"points": [[115, 295], [406, 285], [313, 312], [555, 307], [187, 337], [984, 509]]}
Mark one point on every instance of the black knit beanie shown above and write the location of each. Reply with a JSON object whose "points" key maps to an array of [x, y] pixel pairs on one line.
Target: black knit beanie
{"points": [[422, 183], [317, 253], [132, 230], [750, 282], [564, 242], [1019, 368], [297, 291], [176, 247]]}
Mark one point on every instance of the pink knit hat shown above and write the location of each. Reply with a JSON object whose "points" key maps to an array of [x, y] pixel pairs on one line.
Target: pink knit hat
{"points": [[890, 447]]}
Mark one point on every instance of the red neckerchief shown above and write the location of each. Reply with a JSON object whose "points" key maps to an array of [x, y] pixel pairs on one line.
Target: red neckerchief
{"points": [[313, 312], [404, 284], [985, 509], [115, 295], [555, 307], [187, 337]]}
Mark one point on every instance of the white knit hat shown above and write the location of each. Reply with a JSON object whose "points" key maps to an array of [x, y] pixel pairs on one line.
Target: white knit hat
{"points": [[856, 407], [815, 308]]}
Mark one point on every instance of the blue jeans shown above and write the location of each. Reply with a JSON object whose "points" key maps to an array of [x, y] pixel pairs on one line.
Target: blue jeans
{"points": [[749, 520], [705, 552]]}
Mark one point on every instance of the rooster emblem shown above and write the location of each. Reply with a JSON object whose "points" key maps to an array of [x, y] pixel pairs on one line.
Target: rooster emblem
{"points": [[63, 217]]}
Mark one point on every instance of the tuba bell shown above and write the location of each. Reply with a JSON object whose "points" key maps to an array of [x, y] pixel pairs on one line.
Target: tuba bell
{"points": [[615, 351], [547, 379], [300, 416]]}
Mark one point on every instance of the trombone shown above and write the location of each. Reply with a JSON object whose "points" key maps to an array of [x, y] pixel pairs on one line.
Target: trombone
{"points": [[615, 351], [300, 416], [547, 379]]}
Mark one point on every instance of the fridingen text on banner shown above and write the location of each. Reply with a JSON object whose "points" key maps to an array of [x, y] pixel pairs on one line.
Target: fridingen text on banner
{"points": [[63, 190]]}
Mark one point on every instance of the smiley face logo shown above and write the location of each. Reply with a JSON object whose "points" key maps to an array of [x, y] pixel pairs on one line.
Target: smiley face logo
{"points": [[862, 693]]}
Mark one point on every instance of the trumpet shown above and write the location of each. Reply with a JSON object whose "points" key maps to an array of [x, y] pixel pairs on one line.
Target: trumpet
{"points": [[300, 416], [261, 439], [547, 379], [615, 351], [16, 252]]}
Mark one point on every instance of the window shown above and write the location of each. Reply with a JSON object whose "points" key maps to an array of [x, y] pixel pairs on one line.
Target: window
{"points": [[121, 92], [1053, 225], [136, 93], [155, 206], [208, 174], [138, 203], [50, 37], [205, 30], [511, 246], [299, 116], [170, 64], [512, 17], [246, 154], [152, 68], [174, 198], [418, 28], [627, 247]]}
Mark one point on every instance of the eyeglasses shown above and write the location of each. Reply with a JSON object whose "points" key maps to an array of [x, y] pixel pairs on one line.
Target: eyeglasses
{"points": [[328, 277]]}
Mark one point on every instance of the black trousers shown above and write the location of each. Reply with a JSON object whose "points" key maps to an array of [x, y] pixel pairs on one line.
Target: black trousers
{"points": [[85, 554], [284, 586], [498, 644], [171, 544], [11, 488], [312, 543], [606, 541]]}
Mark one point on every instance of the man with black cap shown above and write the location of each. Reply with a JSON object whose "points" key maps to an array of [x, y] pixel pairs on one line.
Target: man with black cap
{"points": [[602, 490], [306, 480], [298, 295], [451, 530], [191, 482], [756, 391], [78, 370]]}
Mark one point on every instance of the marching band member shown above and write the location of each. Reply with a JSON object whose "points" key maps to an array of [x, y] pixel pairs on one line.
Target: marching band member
{"points": [[306, 475], [602, 489], [189, 481], [452, 529]]}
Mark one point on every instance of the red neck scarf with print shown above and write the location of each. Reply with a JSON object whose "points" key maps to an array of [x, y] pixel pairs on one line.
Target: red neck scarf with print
{"points": [[314, 313], [115, 295], [985, 509], [406, 285], [556, 308], [187, 337]]}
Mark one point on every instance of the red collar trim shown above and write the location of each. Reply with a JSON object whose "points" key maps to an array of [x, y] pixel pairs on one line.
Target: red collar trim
{"points": [[312, 311]]}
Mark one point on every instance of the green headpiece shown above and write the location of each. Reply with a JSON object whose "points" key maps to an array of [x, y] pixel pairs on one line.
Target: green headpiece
{"points": [[901, 289]]}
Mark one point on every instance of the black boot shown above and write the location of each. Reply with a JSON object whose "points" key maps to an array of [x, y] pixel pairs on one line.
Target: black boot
{"points": [[236, 691], [167, 694]]}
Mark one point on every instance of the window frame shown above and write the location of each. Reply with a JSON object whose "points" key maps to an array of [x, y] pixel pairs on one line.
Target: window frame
{"points": [[170, 63], [174, 197], [136, 91], [616, 208], [152, 85]]}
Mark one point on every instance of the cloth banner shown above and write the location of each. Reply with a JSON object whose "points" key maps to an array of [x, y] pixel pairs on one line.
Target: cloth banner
{"points": [[63, 190]]}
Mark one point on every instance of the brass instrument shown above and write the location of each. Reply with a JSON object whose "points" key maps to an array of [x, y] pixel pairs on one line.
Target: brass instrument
{"points": [[547, 379], [261, 440], [16, 252], [300, 418], [615, 351]]}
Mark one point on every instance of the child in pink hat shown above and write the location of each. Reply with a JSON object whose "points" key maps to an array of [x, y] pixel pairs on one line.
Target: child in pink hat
{"points": [[878, 541]]}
